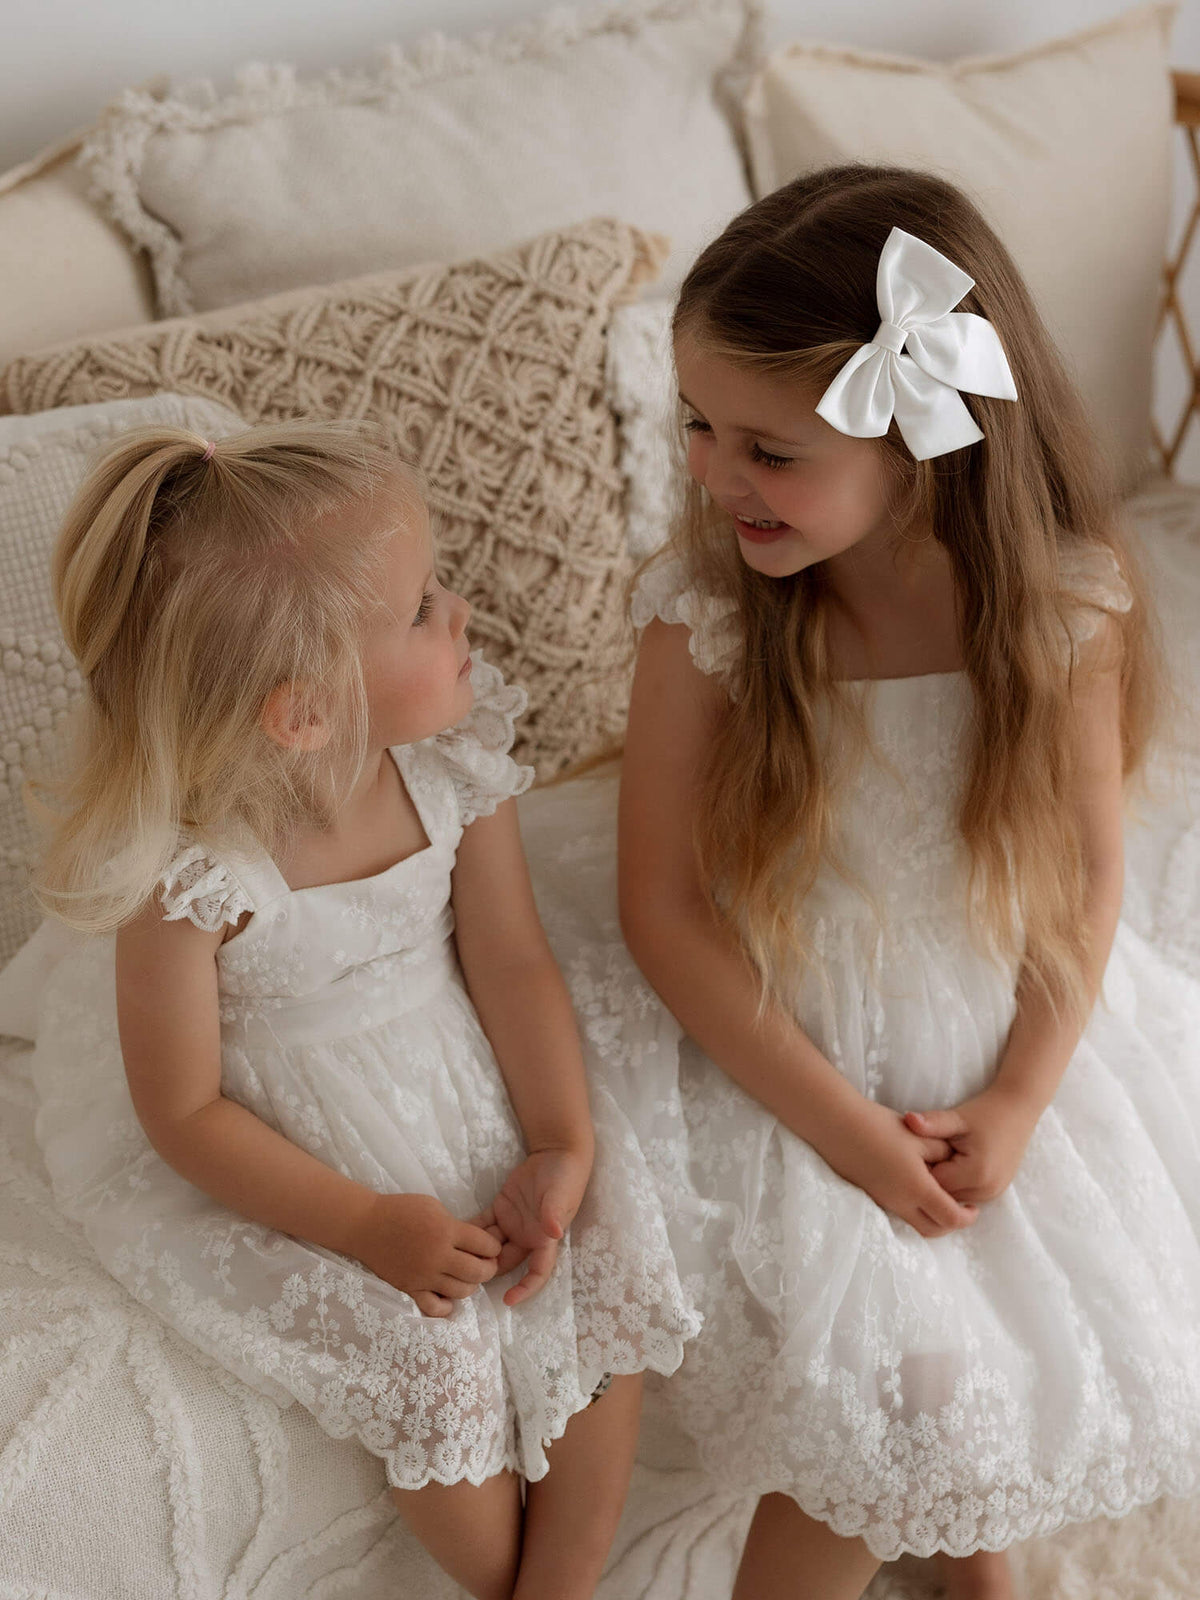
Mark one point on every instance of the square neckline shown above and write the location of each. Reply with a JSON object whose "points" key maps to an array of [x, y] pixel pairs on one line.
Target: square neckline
{"points": [[398, 754], [268, 866]]}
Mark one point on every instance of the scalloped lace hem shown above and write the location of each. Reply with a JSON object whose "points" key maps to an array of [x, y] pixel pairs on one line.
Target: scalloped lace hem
{"points": [[456, 1414], [854, 1520], [518, 1461]]}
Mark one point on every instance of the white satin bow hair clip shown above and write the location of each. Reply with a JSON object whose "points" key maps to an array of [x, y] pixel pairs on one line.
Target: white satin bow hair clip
{"points": [[923, 353]]}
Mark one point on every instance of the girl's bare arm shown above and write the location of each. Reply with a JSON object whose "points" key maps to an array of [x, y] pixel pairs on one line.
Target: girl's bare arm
{"points": [[517, 987], [526, 1013], [170, 1040], [1041, 1043], [697, 964], [990, 1131]]}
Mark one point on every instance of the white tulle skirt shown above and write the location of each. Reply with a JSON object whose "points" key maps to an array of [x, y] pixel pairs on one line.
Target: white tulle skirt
{"points": [[1040, 1367], [411, 1104]]}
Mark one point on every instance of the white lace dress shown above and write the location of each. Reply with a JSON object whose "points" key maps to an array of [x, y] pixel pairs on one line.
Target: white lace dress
{"points": [[1042, 1366], [346, 1025]]}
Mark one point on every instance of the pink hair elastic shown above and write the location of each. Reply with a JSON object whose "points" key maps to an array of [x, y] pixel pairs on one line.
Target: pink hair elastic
{"points": [[208, 452]]}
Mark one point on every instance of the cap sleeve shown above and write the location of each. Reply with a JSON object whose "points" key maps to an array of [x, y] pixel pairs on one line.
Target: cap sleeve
{"points": [[1094, 587], [198, 888], [476, 751], [715, 642]]}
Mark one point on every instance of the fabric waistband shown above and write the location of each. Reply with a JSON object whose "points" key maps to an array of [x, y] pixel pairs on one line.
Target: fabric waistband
{"points": [[365, 997]]}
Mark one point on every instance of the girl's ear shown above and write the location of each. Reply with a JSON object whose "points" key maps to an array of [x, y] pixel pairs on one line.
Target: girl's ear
{"points": [[292, 719]]}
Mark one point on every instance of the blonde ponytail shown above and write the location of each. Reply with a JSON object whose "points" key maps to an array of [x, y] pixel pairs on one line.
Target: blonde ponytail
{"points": [[100, 550], [191, 581]]}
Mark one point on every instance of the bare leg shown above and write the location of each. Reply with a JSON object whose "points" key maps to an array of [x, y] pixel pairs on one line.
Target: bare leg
{"points": [[473, 1533], [790, 1556], [983, 1576], [572, 1513]]}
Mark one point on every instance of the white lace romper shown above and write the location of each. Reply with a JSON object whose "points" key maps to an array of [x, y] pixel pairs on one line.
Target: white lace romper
{"points": [[345, 1024], [1043, 1366]]}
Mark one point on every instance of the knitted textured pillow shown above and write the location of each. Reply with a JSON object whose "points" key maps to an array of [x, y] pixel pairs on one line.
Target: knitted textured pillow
{"points": [[489, 374]]}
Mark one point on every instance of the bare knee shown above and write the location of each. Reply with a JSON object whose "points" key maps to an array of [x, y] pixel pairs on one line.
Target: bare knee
{"points": [[472, 1532], [784, 1541], [502, 1590]]}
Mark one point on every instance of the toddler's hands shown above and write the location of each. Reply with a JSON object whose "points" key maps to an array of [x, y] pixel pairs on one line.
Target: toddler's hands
{"points": [[412, 1242], [511, 1254], [987, 1136], [534, 1209], [892, 1163]]}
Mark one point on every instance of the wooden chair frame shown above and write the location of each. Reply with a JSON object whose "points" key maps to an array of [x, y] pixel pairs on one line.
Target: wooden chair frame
{"points": [[1187, 119]]}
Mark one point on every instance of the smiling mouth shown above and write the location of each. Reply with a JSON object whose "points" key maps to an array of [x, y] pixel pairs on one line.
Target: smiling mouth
{"points": [[759, 530]]}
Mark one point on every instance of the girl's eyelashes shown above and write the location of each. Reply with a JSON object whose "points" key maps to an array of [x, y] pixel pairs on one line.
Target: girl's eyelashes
{"points": [[757, 453], [767, 459], [424, 609]]}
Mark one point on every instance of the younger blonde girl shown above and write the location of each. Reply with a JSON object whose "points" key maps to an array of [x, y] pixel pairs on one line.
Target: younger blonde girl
{"points": [[313, 1085]]}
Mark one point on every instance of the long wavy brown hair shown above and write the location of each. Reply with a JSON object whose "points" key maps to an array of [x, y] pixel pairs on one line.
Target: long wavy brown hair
{"points": [[789, 289]]}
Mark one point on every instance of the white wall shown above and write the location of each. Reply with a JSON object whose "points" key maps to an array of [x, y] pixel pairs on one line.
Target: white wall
{"points": [[62, 59]]}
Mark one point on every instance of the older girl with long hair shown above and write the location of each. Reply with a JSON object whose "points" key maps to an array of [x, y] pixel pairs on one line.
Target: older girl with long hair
{"points": [[942, 1108], [313, 1085]]}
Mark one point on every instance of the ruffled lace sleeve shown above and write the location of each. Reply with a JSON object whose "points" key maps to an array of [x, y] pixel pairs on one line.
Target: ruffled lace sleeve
{"points": [[1095, 588], [476, 752], [715, 644], [199, 888]]}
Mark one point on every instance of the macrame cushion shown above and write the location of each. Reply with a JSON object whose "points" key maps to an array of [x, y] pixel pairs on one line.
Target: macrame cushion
{"points": [[43, 459], [448, 148], [489, 374]]}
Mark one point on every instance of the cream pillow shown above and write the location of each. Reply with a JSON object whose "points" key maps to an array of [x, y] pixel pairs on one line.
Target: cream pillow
{"points": [[1066, 148], [451, 148], [43, 459], [65, 269], [489, 374]]}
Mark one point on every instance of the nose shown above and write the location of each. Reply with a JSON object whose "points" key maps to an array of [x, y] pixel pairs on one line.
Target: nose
{"points": [[460, 615], [716, 469]]}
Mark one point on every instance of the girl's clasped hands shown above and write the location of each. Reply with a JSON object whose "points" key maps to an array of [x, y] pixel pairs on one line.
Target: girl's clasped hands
{"points": [[437, 1259], [984, 1139], [934, 1169], [413, 1242]]}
